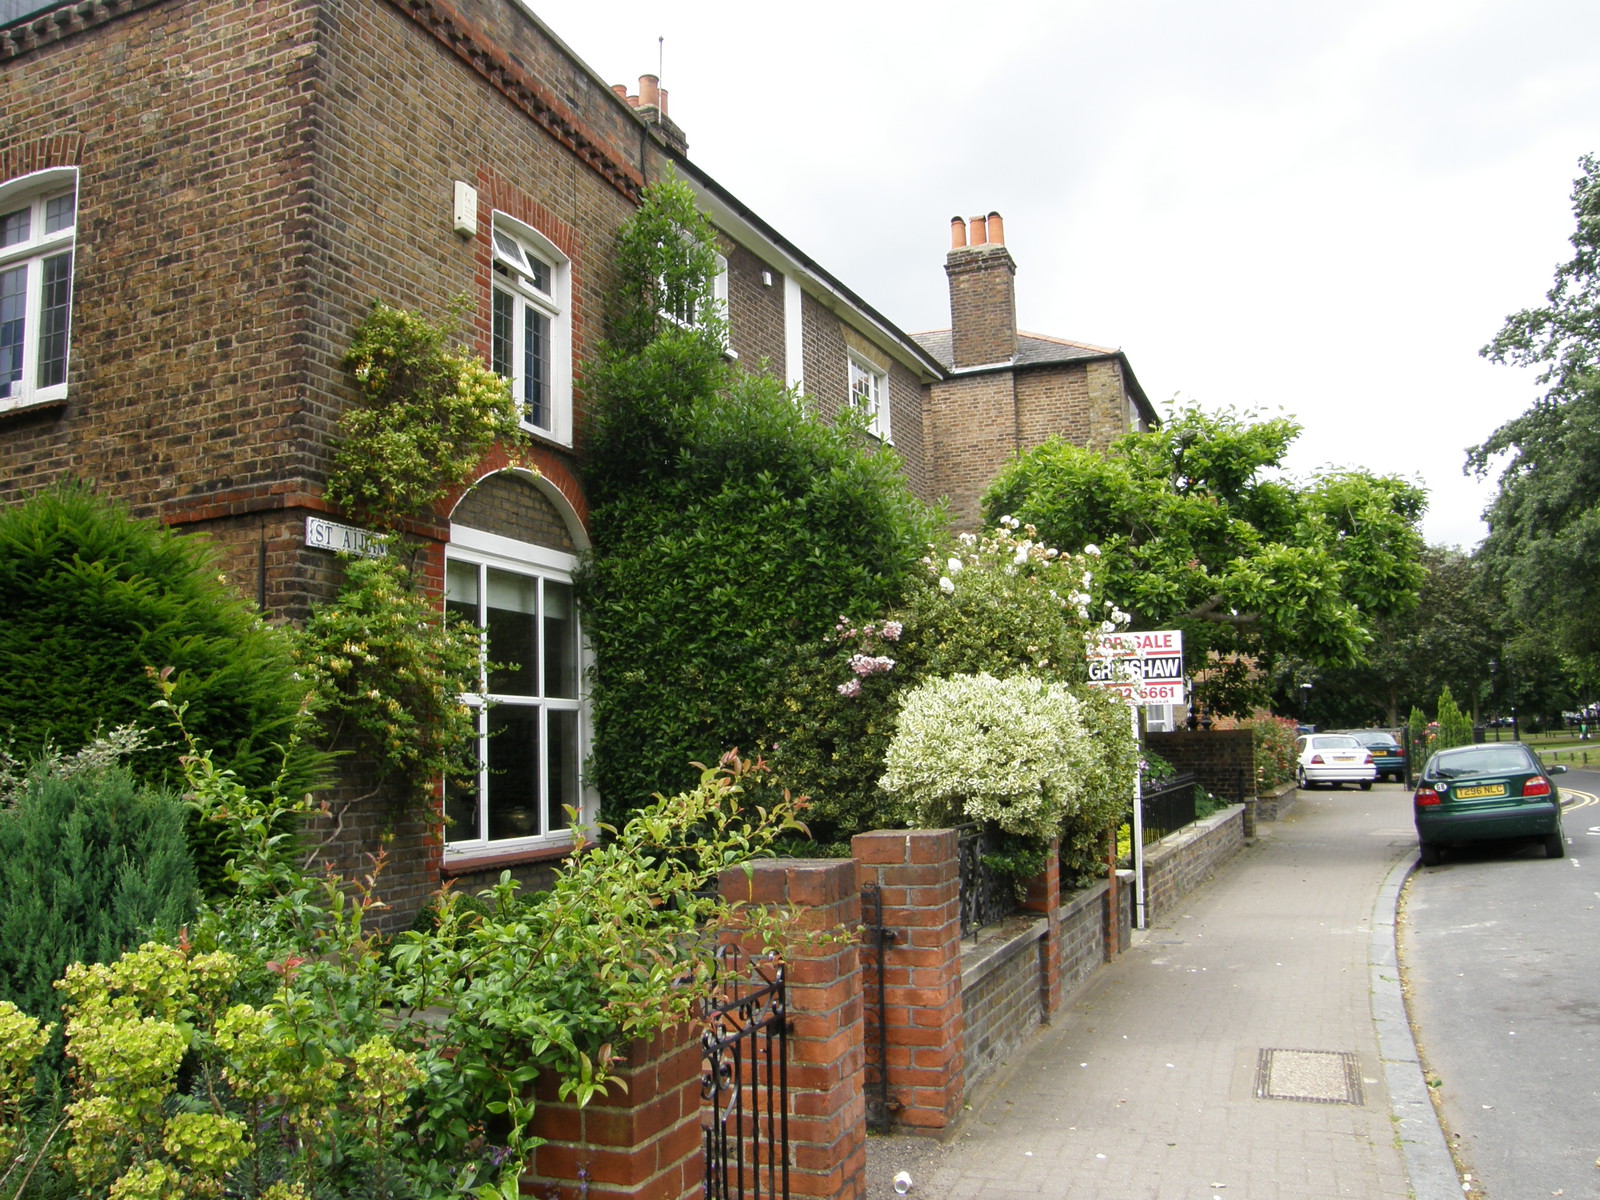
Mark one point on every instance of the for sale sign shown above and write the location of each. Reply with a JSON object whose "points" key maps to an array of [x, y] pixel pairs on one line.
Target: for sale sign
{"points": [[1146, 666]]}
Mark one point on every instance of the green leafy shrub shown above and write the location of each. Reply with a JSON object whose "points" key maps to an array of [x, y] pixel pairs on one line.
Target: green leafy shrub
{"points": [[1108, 771], [1273, 740], [387, 672], [90, 864], [428, 411], [1003, 604], [283, 1051], [730, 523], [83, 583]]}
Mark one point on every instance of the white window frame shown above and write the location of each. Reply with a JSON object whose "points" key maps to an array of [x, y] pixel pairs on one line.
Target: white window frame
{"points": [[518, 252], [869, 390], [486, 551], [32, 193]]}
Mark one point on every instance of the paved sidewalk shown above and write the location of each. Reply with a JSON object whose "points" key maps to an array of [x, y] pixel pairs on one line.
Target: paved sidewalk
{"points": [[1145, 1086]]}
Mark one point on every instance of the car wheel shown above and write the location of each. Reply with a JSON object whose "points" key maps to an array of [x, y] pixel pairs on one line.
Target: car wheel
{"points": [[1366, 785], [1555, 846], [1429, 853], [1300, 780]]}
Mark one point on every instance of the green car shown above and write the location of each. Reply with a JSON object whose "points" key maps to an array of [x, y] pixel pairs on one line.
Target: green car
{"points": [[1486, 793]]}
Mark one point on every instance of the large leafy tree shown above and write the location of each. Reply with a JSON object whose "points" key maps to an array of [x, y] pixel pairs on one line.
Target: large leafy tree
{"points": [[1202, 530], [1448, 640], [1544, 522]]}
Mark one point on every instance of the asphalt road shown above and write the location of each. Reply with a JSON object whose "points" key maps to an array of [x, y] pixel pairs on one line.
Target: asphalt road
{"points": [[1500, 949]]}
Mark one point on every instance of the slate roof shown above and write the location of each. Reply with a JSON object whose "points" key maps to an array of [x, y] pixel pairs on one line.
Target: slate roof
{"points": [[1033, 349], [1037, 350]]}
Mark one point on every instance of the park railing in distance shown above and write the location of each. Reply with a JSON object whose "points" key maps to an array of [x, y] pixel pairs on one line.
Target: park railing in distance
{"points": [[986, 895]]}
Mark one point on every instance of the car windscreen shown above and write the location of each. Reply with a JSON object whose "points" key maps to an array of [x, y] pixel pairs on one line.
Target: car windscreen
{"points": [[1490, 760], [1334, 742], [1375, 739]]}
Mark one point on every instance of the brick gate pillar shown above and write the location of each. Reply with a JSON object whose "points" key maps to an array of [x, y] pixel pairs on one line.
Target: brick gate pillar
{"points": [[918, 876], [640, 1140], [827, 1113]]}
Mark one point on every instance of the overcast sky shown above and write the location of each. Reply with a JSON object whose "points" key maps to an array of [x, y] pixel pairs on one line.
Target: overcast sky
{"points": [[1324, 209]]}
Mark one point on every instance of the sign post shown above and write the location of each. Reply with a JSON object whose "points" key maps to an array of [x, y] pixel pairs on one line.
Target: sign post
{"points": [[1143, 668]]}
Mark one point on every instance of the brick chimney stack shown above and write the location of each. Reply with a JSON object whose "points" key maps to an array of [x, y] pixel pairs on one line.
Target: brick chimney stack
{"points": [[651, 103], [983, 294]]}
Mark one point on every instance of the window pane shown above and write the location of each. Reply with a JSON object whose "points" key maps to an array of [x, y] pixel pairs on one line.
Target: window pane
{"points": [[55, 305], [461, 804], [513, 634], [563, 765], [536, 367], [59, 213], [13, 323], [560, 641], [14, 227], [501, 353], [513, 771]]}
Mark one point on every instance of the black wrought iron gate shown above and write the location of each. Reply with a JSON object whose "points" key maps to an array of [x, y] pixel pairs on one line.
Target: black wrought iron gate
{"points": [[744, 1080]]}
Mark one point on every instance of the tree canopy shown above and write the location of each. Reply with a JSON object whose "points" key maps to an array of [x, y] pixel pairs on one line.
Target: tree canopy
{"points": [[1447, 641], [1544, 522], [1202, 530]]}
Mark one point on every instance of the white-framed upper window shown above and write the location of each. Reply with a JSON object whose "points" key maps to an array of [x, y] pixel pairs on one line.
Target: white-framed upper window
{"points": [[530, 337], [682, 310], [869, 391], [38, 227], [529, 705]]}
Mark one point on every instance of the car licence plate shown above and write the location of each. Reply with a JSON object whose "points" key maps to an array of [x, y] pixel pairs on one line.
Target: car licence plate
{"points": [[1488, 789]]}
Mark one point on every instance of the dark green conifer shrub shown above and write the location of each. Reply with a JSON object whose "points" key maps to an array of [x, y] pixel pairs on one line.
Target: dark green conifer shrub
{"points": [[89, 866], [92, 598]]}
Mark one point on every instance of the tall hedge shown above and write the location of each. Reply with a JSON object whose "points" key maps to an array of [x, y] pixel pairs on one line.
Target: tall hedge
{"points": [[88, 866], [730, 522], [92, 597]]}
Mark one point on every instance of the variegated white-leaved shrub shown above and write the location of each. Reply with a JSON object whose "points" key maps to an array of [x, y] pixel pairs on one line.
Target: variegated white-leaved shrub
{"points": [[976, 748]]}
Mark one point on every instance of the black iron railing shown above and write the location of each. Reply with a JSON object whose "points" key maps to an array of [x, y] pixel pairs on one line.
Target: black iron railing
{"points": [[1168, 807], [986, 895], [744, 1080]]}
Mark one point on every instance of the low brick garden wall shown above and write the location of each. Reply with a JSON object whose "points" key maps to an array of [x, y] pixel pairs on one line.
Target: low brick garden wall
{"points": [[1272, 804], [1180, 863]]}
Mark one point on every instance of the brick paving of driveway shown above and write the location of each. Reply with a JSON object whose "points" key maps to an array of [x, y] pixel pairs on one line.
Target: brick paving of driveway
{"points": [[1144, 1087]]}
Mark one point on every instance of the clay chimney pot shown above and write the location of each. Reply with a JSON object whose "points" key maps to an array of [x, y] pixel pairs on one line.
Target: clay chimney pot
{"points": [[649, 91], [980, 231], [958, 232], [620, 89], [662, 92], [997, 230]]}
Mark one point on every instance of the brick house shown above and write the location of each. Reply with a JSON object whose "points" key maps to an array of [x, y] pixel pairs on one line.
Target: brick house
{"points": [[208, 197]]}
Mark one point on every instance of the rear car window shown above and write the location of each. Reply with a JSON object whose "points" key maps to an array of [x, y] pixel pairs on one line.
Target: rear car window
{"points": [[1490, 760]]}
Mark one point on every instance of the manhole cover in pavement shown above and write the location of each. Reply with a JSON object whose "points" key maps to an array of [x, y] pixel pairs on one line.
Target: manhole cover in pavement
{"points": [[1315, 1076]]}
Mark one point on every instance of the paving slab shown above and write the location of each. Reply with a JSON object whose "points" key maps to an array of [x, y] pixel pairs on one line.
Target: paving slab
{"points": [[1232, 1053]]}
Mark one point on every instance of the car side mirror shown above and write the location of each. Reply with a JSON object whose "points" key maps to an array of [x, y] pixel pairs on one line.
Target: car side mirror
{"points": [[1558, 769]]}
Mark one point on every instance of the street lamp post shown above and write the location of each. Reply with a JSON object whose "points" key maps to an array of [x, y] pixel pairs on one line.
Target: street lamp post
{"points": [[1305, 703]]}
